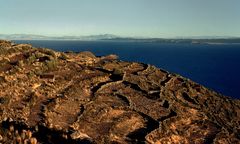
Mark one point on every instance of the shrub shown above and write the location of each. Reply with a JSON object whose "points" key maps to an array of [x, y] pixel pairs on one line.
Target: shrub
{"points": [[51, 65], [31, 59]]}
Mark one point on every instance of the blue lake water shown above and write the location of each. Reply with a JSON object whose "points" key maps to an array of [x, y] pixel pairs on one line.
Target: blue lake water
{"points": [[214, 66]]}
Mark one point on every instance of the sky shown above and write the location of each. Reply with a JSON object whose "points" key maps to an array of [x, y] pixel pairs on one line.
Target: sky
{"points": [[141, 18]]}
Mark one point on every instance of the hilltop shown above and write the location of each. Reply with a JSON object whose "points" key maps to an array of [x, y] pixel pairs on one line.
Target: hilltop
{"points": [[54, 97]]}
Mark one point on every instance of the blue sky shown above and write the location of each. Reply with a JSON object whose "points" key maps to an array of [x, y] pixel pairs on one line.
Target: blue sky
{"points": [[147, 18]]}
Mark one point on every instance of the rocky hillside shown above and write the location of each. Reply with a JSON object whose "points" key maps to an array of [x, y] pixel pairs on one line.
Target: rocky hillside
{"points": [[53, 97]]}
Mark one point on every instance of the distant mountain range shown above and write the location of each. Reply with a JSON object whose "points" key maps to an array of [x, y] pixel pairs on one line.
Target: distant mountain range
{"points": [[110, 37], [41, 37]]}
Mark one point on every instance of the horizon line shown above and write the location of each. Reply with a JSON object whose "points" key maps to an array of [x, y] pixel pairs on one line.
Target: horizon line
{"points": [[138, 37]]}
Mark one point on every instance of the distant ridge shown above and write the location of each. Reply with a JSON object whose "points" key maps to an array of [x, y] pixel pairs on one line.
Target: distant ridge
{"points": [[111, 37], [42, 37]]}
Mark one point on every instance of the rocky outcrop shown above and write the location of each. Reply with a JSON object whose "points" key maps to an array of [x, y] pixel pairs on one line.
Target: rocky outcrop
{"points": [[54, 97]]}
